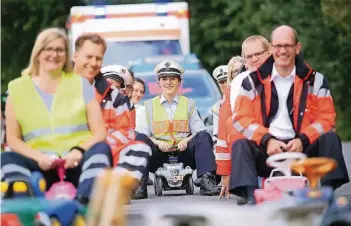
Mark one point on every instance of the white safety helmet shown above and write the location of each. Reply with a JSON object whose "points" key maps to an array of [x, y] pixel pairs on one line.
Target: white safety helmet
{"points": [[168, 68], [220, 73], [118, 73]]}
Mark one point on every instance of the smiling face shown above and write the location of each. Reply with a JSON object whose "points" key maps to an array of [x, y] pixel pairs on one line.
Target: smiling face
{"points": [[255, 54], [138, 92], [169, 84], [88, 59], [284, 46], [53, 56]]}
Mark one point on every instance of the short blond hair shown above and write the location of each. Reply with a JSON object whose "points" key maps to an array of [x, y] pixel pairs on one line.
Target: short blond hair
{"points": [[231, 63], [44, 38], [93, 37], [253, 38]]}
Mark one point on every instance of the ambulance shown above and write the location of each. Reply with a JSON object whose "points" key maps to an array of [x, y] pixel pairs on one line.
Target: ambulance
{"points": [[134, 30]]}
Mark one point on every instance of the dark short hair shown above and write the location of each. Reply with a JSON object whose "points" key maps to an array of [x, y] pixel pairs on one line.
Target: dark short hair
{"points": [[139, 80], [93, 37], [131, 73]]}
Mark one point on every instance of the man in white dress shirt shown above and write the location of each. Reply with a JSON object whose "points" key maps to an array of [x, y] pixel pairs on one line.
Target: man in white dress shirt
{"points": [[172, 120], [284, 106]]}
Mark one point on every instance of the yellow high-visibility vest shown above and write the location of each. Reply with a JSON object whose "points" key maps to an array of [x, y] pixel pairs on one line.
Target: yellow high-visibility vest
{"points": [[161, 127], [59, 129]]}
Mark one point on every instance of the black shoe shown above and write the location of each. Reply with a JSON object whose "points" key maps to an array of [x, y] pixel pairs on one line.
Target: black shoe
{"points": [[246, 195], [141, 191], [208, 184], [251, 200], [240, 201]]}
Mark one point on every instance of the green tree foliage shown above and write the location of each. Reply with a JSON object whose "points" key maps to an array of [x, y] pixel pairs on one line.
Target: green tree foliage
{"points": [[217, 29], [21, 22]]}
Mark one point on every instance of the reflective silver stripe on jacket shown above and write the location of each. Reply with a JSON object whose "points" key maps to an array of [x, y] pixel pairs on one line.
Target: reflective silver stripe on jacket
{"points": [[316, 89], [222, 156], [58, 130], [222, 143], [318, 127], [247, 132]]}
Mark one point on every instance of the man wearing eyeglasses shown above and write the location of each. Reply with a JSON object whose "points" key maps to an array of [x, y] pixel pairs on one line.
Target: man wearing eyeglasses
{"points": [[255, 51], [283, 106]]}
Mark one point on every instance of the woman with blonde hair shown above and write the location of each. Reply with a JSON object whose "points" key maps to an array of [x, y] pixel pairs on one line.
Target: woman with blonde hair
{"points": [[52, 113], [236, 65]]}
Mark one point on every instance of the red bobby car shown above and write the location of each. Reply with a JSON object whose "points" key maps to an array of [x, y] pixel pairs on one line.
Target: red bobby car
{"points": [[274, 187]]}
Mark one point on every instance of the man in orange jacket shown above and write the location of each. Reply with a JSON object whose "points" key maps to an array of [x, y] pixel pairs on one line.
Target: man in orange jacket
{"points": [[255, 50], [284, 106], [128, 154]]}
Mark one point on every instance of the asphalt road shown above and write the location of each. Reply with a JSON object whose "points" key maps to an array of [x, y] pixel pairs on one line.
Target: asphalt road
{"points": [[169, 196]]}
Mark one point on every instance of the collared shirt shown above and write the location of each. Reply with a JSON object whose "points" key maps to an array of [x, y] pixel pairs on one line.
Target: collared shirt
{"points": [[235, 87], [281, 126], [195, 122]]}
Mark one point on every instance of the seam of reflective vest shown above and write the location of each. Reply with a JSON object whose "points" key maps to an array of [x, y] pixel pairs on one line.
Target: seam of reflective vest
{"points": [[60, 129]]}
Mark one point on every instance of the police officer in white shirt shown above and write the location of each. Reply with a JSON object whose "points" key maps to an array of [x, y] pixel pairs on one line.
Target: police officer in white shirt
{"points": [[172, 120]]}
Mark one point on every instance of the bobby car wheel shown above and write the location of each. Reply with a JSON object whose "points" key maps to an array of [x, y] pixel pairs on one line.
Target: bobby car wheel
{"points": [[189, 185], [158, 185]]}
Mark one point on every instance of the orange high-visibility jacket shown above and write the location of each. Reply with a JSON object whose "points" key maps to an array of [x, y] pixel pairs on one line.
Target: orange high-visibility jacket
{"points": [[133, 116], [117, 118], [226, 136], [309, 103], [222, 151]]}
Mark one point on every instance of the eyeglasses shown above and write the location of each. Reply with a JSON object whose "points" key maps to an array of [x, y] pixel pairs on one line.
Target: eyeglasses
{"points": [[286, 46], [257, 55], [235, 72], [58, 50]]}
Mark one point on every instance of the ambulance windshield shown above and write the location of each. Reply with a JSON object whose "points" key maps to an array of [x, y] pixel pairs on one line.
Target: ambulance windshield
{"points": [[123, 52]]}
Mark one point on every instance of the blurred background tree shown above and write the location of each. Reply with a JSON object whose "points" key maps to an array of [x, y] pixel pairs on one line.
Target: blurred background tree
{"points": [[217, 29]]}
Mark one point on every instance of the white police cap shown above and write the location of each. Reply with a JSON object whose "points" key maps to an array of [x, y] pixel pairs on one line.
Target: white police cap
{"points": [[220, 72], [117, 72], [168, 68]]}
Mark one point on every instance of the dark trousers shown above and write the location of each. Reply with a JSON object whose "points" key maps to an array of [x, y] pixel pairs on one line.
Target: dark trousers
{"points": [[249, 161], [198, 154], [94, 160]]}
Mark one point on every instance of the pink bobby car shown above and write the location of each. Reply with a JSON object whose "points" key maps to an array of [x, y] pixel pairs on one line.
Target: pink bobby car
{"points": [[274, 187], [61, 189]]}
